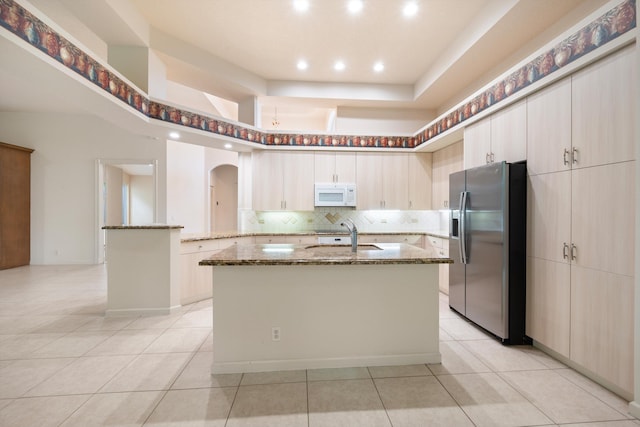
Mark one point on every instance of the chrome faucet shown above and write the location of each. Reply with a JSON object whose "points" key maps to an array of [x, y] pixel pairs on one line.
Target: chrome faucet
{"points": [[354, 233]]}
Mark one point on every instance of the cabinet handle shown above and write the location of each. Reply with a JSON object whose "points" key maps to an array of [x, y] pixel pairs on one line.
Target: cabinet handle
{"points": [[565, 160], [410, 204], [564, 251], [574, 252], [574, 155], [486, 158], [492, 158]]}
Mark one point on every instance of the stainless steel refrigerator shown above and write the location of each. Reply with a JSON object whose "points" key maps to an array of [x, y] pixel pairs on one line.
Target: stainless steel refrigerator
{"points": [[487, 241]]}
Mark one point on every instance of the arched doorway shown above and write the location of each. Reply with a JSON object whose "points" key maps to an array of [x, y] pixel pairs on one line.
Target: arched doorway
{"points": [[223, 189]]}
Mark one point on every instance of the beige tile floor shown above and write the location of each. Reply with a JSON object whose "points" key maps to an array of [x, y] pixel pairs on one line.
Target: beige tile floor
{"points": [[62, 363]]}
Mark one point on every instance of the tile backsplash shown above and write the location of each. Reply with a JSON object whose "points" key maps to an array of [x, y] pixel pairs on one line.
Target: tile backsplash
{"points": [[329, 219]]}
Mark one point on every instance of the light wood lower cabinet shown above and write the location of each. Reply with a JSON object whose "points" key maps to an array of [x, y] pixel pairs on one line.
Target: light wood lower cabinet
{"points": [[548, 314], [196, 280], [441, 247], [602, 324], [409, 239]]}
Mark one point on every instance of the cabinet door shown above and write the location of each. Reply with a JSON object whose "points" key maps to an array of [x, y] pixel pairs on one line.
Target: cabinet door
{"points": [[602, 324], [298, 192], [549, 216], [603, 110], [445, 162], [369, 181], [420, 181], [548, 310], [603, 217], [268, 179], [477, 143], [509, 133], [345, 167], [549, 129], [395, 181], [324, 167]]}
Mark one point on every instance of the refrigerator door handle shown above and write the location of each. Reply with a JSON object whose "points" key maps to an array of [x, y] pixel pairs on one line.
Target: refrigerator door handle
{"points": [[462, 232]]}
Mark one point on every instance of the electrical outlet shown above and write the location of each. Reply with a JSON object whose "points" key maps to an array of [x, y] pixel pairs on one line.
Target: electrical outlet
{"points": [[275, 334]]}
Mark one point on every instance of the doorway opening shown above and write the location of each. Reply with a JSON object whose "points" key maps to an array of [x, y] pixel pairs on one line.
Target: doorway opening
{"points": [[126, 195], [223, 192]]}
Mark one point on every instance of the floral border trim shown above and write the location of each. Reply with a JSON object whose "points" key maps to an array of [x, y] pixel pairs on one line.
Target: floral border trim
{"points": [[28, 27], [607, 27]]}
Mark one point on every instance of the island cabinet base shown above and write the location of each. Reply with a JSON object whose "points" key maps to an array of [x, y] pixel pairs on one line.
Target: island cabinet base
{"points": [[283, 317]]}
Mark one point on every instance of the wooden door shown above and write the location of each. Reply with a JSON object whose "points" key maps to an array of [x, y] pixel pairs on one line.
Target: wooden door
{"points": [[15, 206]]}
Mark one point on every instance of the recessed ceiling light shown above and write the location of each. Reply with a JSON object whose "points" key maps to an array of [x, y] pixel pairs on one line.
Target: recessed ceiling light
{"points": [[378, 67], [302, 65], [410, 9], [174, 135], [339, 66], [301, 5], [355, 6], [228, 146]]}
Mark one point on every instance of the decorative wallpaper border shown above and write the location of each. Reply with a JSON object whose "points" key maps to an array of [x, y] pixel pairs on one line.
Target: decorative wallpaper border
{"points": [[28, 27]]}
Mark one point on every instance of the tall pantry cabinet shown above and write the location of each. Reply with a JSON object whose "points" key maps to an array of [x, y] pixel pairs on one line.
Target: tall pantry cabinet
{"points": [[581, 163]]}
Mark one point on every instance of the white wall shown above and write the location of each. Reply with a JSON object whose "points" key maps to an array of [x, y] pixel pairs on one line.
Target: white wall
{"points": [[186, 186], [377, 121], [63, 178], [113, 202], [141, 199]]}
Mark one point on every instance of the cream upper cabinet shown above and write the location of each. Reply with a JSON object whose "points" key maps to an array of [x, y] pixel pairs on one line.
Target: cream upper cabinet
{"points": [[382, 180], [335, 167], [549, 129], [509, 134], [477, 144], [445, 162], [283, 181], [420, 181], [499, 137], [603, 110]]}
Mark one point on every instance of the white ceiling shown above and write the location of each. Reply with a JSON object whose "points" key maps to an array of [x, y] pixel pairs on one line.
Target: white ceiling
{"points": [[241, 48]]}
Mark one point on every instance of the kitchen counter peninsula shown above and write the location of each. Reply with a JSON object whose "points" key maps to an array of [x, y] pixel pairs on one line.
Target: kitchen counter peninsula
{"points": [[285, 306]]}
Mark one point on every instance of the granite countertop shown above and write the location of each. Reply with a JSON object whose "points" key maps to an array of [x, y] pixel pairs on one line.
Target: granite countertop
{"points": [[289, 254], [235, 234], [142, 227]]}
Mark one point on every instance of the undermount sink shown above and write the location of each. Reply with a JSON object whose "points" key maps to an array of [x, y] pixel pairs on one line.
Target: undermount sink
{"points": [[343, 248]]}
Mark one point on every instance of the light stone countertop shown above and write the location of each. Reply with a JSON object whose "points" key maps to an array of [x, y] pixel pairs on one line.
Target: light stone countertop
{"points": [[143, 227], [290, 254], [235, 234]]}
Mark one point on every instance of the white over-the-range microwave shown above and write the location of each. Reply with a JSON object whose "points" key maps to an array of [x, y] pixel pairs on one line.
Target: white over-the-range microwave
{"points": [[335, 194]]}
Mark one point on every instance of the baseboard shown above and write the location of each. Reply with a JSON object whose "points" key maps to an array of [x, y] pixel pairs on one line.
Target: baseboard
{"points": [[343, 362], [131, 312]]}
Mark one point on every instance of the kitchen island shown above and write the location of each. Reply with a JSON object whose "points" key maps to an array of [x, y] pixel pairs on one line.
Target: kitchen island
{"points": [[286, 306]]}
